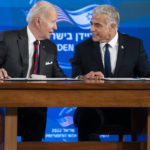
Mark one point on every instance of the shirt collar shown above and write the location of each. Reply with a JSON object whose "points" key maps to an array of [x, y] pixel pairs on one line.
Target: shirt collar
{"points": [[31, 37], [113, 42]]}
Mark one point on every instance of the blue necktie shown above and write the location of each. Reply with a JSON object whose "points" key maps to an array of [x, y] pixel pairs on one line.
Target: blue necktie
{"points": [[107, 61]]}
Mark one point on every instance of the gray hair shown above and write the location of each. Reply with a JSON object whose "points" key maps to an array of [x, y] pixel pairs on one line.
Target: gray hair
{"points": [[39, 9], [110, 11]]}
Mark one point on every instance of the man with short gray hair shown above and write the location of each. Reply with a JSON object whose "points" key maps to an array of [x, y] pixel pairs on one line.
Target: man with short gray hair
{"points": [[107, 54]]}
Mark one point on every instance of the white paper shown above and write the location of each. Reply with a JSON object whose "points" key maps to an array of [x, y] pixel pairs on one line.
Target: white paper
{"points": [[127, 79], [44, 79], [36, 76]]}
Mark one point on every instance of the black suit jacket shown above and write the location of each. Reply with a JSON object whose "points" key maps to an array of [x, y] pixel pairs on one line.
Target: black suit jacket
{"points": [[131, 60], [14, 58], [14, 55]]}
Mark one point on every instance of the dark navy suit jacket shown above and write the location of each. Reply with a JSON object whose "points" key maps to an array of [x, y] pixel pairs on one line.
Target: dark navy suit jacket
{"points": [[132, 59]]}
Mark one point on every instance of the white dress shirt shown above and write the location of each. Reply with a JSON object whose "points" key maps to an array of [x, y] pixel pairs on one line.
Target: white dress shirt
{"points": [[113, 49], [31, 40]]}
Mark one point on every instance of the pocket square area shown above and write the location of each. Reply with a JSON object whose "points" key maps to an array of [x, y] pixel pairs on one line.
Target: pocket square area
{"points": [[48, 63]]}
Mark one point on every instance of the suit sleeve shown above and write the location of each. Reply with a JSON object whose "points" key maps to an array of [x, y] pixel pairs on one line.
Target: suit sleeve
{"points": [[76, 63], [57, 71], [3, 52], [143, 65]]}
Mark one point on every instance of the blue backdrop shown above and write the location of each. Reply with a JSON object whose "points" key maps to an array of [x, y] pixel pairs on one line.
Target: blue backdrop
{"points": [[73, 26]]}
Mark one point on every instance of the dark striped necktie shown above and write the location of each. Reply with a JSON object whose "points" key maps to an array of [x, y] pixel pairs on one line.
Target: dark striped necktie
{"points": [[36, 57], [108, 72]]}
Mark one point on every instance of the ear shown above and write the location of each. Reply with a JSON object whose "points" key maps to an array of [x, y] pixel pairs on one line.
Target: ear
{"points": [[37, 21], [113, 26]]}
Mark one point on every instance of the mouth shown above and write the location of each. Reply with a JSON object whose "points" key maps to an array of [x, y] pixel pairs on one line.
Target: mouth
{"points": [[94, 35]]}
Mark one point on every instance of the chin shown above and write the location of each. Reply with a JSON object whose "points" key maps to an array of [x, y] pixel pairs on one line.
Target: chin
{"points": [[95, 39], [48, 37]]}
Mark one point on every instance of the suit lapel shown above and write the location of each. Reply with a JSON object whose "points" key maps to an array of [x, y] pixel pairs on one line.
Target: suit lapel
{"points": [[97, 56], [121, 52], [43, 57], [23, 48]]}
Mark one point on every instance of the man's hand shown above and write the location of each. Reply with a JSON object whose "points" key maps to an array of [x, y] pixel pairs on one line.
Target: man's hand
{"points": [[94, 76], [3, 74]]}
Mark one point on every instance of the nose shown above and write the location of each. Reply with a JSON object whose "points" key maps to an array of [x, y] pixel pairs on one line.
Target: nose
{"points": [[55, 26], [92, 28]]}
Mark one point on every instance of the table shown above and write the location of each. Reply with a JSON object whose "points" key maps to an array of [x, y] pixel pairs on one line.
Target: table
{"points": [[69, 93]]}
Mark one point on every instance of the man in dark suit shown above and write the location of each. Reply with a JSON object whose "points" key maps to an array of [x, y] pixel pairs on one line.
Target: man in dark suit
{"points": [[16, 60], [107, 54]]}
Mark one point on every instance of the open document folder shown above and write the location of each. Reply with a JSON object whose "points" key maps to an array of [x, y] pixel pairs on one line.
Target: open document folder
{"points": [[75, 79], [127, 79], [46, 79], [35, 77]]}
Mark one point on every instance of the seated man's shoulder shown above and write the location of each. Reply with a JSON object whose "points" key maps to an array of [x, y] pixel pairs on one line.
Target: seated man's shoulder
{"points": [[49, 43], [85, 43], [130, 38], [7, 33]]}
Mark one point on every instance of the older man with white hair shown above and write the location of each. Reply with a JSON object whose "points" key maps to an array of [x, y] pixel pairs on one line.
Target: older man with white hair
{"points": [[27, 51]]}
